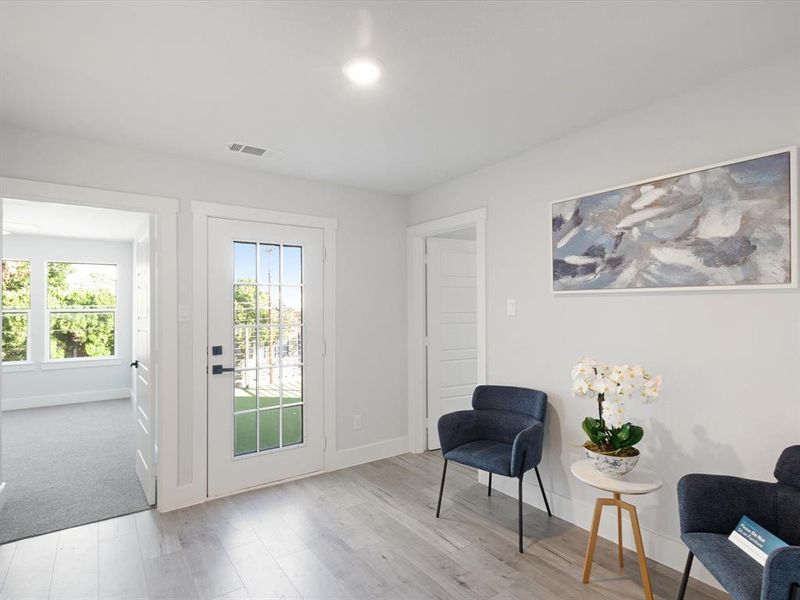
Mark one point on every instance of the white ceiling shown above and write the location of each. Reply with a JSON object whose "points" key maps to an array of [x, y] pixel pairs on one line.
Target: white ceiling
{"points": [[21, 217], [466, 83]]}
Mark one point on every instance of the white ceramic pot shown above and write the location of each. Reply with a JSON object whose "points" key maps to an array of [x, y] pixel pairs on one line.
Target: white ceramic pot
{"points": [[611, 465]]}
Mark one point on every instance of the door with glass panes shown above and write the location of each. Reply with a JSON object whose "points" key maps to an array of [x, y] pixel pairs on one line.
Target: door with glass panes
{"points": [[265, 320]]}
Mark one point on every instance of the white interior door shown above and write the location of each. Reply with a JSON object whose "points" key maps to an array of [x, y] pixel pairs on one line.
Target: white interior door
{"points": [[143, 390], [265, 375], [452, 334]]}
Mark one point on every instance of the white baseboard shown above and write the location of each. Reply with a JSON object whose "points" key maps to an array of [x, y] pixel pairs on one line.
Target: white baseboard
{"points": [[60, 399], [657, 546], [350, 457]]}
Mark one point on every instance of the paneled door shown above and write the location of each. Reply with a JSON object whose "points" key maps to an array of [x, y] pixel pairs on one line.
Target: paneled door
{"points": [[265, 335], [452, 333], [143, 387]]}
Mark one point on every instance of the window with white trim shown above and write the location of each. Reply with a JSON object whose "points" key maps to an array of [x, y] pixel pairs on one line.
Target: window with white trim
{"points": [[81, 310], [16, 310]]}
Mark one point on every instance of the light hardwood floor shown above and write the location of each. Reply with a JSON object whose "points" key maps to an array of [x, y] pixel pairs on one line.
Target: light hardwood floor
{"points": [[365, 532]]}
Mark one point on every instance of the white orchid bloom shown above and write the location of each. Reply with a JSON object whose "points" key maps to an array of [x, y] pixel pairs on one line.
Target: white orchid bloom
{"points": [[614, 413], [637, 372], [580, 371], [580, 387], [600, 384], [619, 373]]}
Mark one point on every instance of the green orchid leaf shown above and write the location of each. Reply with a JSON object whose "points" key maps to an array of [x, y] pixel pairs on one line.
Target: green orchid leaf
{"points": [[637, 433], [591, 427]]}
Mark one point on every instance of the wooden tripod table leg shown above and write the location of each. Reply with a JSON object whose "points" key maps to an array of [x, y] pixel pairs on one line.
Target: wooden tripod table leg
{"points": [[637, 536], [598, 510], [619, 533], [620, 505]]}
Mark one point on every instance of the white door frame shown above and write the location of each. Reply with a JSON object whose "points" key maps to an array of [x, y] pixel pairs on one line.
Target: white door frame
{"points": [[417, 387], [165, 311], [201, 212]]}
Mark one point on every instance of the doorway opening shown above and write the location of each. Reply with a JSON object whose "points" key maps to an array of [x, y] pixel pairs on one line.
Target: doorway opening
{"points": [[78, 393], [447, 320]]}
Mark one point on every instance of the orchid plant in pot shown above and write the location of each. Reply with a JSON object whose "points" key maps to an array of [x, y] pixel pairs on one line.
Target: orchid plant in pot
{"points": [[612, 439]]}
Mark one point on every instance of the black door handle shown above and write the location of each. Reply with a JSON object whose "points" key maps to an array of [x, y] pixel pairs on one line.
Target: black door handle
{"points": [[219, 369], [135, 364]]}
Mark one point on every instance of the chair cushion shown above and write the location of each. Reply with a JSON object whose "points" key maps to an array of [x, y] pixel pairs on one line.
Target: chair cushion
{"points": [[740, 575], [485, 455]]}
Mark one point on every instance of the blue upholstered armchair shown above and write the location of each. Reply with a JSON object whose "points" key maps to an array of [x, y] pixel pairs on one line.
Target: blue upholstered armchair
{"points": [[710, 508], [503, 434]]}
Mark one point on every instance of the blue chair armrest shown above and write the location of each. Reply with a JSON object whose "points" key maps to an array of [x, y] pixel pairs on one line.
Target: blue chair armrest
{"points": [[529, 441], [781, 572], [458, 428], [715, 503]]}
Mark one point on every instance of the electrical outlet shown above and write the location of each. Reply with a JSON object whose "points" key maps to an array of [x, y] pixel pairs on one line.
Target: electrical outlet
{"points": [[511, 307], [356, 422]]}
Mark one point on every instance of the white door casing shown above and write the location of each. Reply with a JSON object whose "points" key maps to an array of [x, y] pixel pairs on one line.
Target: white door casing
{"points": [[254, 411], [3, 490], [452, 330], [143, 390]]}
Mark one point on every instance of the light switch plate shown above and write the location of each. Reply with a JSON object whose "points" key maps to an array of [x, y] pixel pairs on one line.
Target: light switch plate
{"points": [[511, 307]]}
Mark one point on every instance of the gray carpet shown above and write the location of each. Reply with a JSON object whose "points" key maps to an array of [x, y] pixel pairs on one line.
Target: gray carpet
{"points": [[67, 466]]}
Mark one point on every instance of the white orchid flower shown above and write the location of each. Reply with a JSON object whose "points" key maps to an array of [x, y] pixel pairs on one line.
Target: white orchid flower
{"points": [[600, 384], [637, 372], [614, 413], [581, 370], [580, 387], [619, 373]]}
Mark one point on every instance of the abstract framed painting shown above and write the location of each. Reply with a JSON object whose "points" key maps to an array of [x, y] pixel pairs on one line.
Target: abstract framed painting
{"points": [[731, 225]]}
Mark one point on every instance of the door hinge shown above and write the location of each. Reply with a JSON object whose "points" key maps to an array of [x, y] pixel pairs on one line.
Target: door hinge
{"points": [[425, 341], [324, 254], [324, 442], [324, 348]]}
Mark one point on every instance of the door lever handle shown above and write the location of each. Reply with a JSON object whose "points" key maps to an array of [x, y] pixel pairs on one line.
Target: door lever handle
{"points": [[135, 364], [219, 369]]}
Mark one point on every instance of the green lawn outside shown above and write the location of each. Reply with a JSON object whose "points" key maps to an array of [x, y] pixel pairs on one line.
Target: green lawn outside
{"points": [[245, 429]]}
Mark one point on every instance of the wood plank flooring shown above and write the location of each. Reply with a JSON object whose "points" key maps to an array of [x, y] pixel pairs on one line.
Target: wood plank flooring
{"points": [[367, 532]]}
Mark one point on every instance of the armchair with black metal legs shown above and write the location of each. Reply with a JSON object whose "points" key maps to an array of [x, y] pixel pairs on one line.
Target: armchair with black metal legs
{"points": [[502, 434], [710, 507]]}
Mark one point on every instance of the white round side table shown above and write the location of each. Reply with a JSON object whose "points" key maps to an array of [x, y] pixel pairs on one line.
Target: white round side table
{"points": [[634, 483]]}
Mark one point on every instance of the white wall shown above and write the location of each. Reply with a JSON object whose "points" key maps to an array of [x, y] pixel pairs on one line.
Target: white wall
{"points": [[370, 277], [42, 383], [730, 360]]}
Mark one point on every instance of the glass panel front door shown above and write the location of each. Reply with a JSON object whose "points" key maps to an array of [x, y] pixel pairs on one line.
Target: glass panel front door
{"points": [[266, 353], [268, 347]]}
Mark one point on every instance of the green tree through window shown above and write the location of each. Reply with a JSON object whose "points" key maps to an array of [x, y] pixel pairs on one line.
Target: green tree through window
{"points": [[82, 300], [16, 309]]}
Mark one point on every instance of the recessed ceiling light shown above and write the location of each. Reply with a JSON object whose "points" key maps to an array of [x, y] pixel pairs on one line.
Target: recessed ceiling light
{"points": [[363, 71]]}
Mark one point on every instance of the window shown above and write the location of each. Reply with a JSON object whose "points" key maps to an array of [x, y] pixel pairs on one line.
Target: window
{"points": [[268, 347], [81, 310], [16, 309]]}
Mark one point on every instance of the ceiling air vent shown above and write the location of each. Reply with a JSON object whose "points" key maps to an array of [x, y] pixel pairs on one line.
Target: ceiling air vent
{"points": [[269, 153], [254, 150]]}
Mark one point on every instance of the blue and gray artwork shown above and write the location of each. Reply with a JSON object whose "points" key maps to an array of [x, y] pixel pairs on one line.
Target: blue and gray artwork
{"points": [[728, 225]]}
